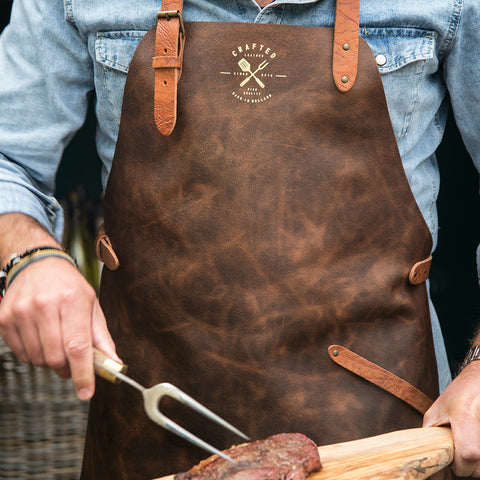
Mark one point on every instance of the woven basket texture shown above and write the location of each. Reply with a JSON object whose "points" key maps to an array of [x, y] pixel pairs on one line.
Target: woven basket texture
{"points": [[42, 423]]}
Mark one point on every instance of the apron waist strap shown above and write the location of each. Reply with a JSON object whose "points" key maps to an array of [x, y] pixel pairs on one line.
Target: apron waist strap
{"points": [[380, 377]]}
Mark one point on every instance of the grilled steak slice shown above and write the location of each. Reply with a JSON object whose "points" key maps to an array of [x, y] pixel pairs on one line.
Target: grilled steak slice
{"points": [[286, 456]]}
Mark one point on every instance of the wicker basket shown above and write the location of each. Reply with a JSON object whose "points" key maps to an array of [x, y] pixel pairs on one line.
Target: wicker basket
{"points": [[42, 423]]}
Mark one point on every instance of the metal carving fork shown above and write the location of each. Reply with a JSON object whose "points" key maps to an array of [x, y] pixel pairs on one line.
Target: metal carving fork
{"points": [[114, 372]]}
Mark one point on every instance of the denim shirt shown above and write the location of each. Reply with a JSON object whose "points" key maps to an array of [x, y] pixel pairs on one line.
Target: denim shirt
{"points": [[54, 52]]}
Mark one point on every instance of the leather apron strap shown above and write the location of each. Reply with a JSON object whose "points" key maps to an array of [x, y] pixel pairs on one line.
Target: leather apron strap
{"points": [[345, 44], [167, 62], [170, 41]]}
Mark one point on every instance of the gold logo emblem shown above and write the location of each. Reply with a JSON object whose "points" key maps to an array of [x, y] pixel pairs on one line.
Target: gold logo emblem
{"points": [[255, 69]]}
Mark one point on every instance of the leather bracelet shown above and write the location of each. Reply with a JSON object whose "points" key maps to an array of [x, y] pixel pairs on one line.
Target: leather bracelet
{"points": [[472, 355], [18, 262]]}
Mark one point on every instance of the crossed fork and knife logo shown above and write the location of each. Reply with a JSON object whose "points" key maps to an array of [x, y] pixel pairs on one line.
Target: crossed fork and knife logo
{"points": [[247, 68]]}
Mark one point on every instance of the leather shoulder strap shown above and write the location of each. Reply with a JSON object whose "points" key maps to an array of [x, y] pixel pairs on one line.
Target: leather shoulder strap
{"points": [[345, 44], [169, 44], [167, 62]]}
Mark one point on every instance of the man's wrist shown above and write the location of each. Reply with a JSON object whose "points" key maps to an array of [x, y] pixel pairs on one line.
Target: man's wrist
{"points": [[21, 233], [18, 262], [472, 355]]}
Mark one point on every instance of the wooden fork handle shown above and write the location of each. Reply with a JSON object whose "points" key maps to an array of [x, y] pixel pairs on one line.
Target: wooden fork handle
{"points": [[104, 366]]}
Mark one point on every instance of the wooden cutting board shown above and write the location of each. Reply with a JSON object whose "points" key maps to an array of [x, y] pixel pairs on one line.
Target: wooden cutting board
{"points": [[411, 454]]}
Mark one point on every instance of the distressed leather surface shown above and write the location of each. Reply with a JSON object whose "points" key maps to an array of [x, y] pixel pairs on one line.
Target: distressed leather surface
{"points": [[251, 239]]}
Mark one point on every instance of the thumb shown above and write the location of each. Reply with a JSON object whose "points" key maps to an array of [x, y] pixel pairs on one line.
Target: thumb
{"points": [[436, 415]]}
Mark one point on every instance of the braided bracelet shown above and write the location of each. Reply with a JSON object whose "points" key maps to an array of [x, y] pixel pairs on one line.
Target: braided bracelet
{"points": [[18, 262]]}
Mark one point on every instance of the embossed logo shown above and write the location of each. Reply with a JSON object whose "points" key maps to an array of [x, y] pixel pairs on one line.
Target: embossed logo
{"points": [[255, 67]]}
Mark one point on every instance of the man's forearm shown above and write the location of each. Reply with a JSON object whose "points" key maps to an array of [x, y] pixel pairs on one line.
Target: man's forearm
{"points": [[50, 315], [19, 233]]}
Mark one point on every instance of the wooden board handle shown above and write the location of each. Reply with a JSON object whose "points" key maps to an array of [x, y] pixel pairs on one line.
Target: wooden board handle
{"points": [[406, 454], [412, 454]]}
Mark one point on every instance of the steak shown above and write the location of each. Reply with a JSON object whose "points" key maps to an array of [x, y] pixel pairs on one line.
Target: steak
{"points": [[286, 456]]}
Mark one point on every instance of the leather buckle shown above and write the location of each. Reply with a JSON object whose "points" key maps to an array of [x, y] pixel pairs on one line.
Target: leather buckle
{"points": [[172, 14]]}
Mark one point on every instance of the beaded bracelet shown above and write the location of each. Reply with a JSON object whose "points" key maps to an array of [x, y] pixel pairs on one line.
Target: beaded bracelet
{"points": [[18, 262]]}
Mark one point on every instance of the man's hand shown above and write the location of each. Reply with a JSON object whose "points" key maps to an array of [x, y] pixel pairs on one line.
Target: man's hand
{"points": [[459, 406], [50, 315]]}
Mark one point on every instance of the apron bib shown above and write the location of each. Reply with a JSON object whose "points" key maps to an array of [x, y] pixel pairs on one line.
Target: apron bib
{"points": [[270, 252]]}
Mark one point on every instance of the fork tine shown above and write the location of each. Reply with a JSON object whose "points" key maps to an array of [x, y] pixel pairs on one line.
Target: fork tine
{"points": [[152, 398], [111, 370], [192, 403], [190, 437], [182, 397]]}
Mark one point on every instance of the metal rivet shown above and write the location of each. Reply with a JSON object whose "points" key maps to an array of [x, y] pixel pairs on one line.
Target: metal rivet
{"points": [[344, 79], [346, 46], [381, 60], [335, 353]]}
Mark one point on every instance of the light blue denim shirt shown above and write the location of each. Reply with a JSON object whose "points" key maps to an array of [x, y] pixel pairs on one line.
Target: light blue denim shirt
{"points": [[57, 51]]}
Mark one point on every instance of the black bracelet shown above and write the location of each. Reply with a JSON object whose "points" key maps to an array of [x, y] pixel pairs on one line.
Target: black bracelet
{"points": [[18, 262]]}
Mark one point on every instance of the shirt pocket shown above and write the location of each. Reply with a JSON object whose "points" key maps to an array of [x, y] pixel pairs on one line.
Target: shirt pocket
{"points": [[402, 55], [113, 53]]}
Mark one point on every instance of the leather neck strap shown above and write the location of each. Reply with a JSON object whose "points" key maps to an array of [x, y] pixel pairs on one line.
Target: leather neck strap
{"points": [[167, 62], [345, 44], [170, 41]]}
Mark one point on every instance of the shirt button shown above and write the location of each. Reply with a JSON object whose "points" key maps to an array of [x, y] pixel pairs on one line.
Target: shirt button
{"points": [[381, 60]]}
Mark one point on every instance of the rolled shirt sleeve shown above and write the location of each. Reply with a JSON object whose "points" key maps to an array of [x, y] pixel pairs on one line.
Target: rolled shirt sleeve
{"points": [[46, 75]]}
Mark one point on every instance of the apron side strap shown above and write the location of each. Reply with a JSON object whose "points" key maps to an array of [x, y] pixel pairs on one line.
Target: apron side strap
{"points": [[104, 250], [420, 271], [380, 377], [345, 44], [167, 62]]}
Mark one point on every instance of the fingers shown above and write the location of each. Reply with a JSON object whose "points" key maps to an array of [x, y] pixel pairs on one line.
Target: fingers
{"points": [[54, 325], [13, 340], [459, 406], [436, 415], [101, 336], [21, 335], [467, 449], [76, 314], [52, 345]]}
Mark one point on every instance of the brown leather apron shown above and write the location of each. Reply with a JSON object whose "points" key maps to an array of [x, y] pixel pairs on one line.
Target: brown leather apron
{"points": [[265, 243]]}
